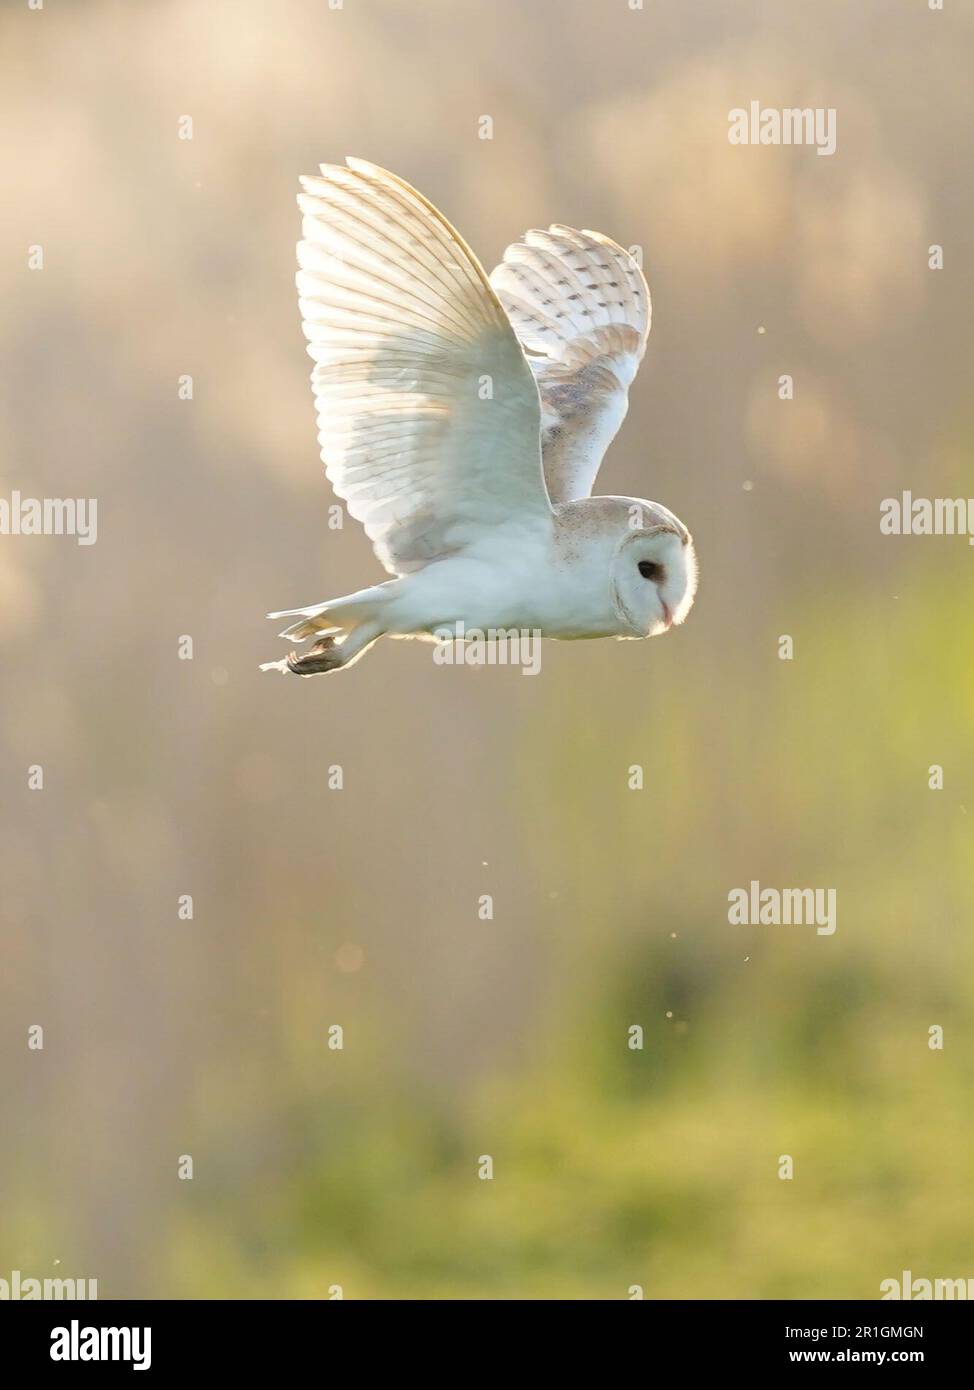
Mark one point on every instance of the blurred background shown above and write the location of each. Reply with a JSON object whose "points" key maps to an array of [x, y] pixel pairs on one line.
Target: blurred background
{"points": [[313, 907]]}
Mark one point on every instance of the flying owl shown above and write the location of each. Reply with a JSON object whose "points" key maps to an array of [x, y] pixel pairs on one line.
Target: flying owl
{"points": [[463, 417]]}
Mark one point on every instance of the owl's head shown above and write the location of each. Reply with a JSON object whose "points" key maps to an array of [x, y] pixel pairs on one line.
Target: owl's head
{"points": [[654, 578]]}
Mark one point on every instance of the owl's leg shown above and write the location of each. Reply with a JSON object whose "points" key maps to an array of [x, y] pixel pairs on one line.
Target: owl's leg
{"points": [[330, 653]]}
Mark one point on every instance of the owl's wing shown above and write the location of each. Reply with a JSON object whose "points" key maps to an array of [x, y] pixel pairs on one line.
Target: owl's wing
{"points": [[580, 305], [428, 412]]}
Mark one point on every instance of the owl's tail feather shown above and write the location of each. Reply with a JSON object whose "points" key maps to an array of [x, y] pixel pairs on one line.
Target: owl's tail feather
{"points": [[335, 614]]}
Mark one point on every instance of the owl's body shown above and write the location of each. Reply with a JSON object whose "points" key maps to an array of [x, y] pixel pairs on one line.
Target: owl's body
{"points": [[464, 419]]}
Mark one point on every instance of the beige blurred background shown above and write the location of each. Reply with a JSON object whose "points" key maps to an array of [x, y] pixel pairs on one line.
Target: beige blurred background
{"points": [[314, 907]]}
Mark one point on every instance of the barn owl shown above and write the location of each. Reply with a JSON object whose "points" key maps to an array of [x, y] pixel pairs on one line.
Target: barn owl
{"points": [[463, 418]]}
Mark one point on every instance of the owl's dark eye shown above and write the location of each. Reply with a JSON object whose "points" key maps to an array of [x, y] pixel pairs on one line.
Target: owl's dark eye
{"points": [[649, 569]]}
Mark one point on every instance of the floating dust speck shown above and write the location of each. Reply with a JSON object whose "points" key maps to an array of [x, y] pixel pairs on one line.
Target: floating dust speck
{"points": [[761, 328], [669, 1013], [747, 485]]}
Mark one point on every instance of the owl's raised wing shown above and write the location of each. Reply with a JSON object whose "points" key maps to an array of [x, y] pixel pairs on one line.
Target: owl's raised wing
{"points": [[428, 413], [580, 305]]}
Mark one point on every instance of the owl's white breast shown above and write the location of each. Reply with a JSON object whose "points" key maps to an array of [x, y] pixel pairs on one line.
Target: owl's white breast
{"points": [[518, 575]]}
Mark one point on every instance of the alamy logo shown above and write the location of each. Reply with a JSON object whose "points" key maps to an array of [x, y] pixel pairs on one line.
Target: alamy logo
{"points": [[919, 1290], [17, 1288], [792, 125], [50, 516], [907, 515], [773, 907], [492, 646], [77, 1343]]}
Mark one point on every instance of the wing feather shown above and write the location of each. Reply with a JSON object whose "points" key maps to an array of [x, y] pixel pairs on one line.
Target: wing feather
{"points": [[580, 304], [405, 329]]}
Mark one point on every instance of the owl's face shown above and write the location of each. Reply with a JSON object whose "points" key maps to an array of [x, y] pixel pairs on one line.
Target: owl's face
{"points": [[654, 579]]}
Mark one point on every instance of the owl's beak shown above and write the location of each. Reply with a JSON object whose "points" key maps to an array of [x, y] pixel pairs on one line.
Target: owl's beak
{"points": [[667, 615]]}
